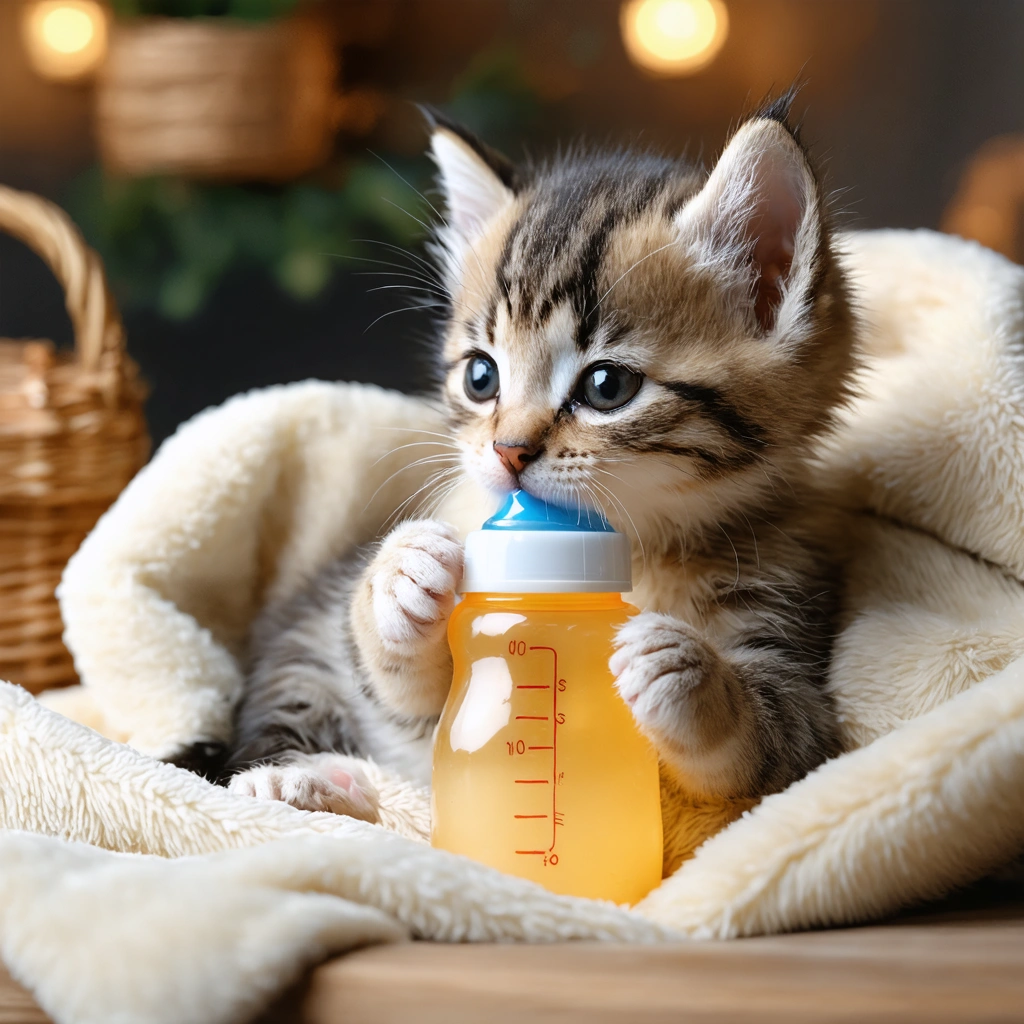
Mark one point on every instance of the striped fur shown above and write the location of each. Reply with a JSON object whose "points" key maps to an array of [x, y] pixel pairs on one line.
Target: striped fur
{"points": [[720, 297]]}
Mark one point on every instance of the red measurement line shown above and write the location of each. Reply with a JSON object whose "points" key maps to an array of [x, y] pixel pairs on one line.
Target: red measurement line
{"points": [[533, 687], [540, 748], [554, 741], [531, 851], [531, 718], [529, 815], [532, 782]]}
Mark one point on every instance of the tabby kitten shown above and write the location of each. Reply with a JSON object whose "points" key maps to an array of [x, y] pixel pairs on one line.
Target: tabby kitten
{"points": [[664, 345]]}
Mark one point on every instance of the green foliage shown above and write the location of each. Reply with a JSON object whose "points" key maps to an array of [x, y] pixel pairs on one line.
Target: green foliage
{"points": [[248, 10], [168, 242], [494, 98]]}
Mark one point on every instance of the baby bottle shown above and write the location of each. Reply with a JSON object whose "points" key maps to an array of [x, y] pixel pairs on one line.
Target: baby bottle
{"points": [[539, 768]]}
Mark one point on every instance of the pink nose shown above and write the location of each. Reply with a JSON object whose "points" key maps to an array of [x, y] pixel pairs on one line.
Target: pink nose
{"points": [[515, 456]]}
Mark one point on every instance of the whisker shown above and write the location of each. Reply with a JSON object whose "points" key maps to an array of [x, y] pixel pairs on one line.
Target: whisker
{"points": [[426, 264], [618, 501], [630, 270], [401, 469], [431, 481], [418, 444], [417, 430], [430, 267], [418, 278], [404, 309], [442, 496], [384, 263], [423, 224], [409, 184], [409, 289]]}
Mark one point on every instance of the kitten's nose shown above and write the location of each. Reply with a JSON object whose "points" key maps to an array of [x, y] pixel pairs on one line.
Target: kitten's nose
{"points": [[516, 456]]}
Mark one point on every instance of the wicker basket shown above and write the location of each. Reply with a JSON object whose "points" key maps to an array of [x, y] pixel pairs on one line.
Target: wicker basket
{"points": [[217, 99], [72, 434]]}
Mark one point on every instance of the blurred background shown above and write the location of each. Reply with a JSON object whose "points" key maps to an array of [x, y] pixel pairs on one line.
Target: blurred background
{"points": [[247, 168]]}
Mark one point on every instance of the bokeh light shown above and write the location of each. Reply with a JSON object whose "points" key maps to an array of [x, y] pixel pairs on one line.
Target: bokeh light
{"points": [[674, 37], [65, 39]]}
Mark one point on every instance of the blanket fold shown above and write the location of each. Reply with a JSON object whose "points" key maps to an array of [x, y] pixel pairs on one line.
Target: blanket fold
{"points": [[217, 902]]}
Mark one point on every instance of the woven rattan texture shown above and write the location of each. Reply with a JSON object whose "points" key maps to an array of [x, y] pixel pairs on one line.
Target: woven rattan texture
{"points": [[72, 434], [216, 98]]}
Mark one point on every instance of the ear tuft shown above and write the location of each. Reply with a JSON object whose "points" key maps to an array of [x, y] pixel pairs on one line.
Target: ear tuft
{"points": [[477, 180], [779, 110], [758, 219]]}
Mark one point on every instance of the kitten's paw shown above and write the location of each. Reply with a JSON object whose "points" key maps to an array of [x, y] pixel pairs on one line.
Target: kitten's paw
{"points": [[413, 581], [335, 784], [670, 677]]}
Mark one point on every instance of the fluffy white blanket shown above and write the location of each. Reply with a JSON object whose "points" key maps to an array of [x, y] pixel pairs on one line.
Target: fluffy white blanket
{"points": [[247, 499]]}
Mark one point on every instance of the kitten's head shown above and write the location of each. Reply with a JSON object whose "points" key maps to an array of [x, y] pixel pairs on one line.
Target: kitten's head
{"points": [[634, 335]]}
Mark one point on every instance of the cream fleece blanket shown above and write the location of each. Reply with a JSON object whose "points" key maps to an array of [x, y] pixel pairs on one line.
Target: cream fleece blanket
{"points": [[247, 499]]}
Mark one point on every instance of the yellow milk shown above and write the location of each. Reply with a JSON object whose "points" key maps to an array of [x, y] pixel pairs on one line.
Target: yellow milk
{"points": [[539, 768]]}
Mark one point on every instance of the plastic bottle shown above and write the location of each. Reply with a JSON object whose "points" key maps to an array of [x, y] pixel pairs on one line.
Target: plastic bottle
{"points": [[539, 768]]}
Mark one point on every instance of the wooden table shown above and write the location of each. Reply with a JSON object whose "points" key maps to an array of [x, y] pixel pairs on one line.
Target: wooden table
{"points": [[958, 960]]}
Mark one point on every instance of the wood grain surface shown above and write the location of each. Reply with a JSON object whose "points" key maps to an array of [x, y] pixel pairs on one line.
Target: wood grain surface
{"points": [[16, 1005], [955, 971], [957, 962]]}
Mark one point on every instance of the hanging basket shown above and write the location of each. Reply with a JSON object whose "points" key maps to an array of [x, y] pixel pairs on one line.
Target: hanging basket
{"points": [[72, 434], [218, 99]]}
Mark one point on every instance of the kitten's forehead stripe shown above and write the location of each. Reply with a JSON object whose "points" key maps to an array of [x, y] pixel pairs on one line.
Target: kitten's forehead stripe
{"points": [[557, 248]]}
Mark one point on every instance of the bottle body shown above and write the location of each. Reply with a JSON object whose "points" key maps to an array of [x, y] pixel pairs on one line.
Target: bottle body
{"points": [[539, 768]]}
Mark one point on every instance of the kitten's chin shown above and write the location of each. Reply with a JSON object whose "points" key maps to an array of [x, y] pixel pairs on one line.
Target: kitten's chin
{"points": [[490, 477]]}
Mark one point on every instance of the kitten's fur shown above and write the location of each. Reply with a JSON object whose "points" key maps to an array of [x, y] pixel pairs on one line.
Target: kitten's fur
{"points": [[725, 293]]}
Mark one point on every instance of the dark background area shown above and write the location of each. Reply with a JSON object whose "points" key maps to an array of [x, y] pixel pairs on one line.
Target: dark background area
{"points": [[898, 95]]}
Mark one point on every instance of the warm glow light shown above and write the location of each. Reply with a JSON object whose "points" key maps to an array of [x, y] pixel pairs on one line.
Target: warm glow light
{"points": [[65, 39], [67, 29], [674, 37]]}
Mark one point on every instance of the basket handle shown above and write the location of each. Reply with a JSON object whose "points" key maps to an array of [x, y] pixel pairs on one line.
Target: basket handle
{"points": [[49, 232]]}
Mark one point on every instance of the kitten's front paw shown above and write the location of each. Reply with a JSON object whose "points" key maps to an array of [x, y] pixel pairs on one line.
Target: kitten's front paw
{"points": [[671, 678], [413, 581], [336, 784]]}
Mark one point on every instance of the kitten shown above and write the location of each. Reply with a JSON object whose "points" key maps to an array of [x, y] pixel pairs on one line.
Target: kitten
{"points": [[660, 344]]}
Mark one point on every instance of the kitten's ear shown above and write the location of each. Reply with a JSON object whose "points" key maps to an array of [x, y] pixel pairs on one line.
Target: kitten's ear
{"points": [[477, 181], [758, 220]]}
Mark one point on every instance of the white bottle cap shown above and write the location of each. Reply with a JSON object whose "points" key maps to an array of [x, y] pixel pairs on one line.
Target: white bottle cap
{"points": [[531, 547]]}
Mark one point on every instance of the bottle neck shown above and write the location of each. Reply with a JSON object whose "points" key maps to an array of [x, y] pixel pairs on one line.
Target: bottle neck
{"points": [[585, 602]]}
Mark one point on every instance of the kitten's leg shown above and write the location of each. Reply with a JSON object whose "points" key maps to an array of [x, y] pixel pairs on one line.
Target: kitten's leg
{"points": [[313, 782], [326, 678], [399, 616], [744, 723]]}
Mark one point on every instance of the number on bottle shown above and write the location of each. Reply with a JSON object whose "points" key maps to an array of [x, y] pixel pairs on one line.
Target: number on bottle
{"points": [[517, 647]]}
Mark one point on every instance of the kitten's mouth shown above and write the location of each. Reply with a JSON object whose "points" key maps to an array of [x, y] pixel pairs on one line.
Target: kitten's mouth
{"points": [[560, 495], [535, 479]]}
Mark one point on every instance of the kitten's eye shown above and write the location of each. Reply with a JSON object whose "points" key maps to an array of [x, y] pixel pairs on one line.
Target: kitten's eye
{"points": [[481, 381], [606, 386]]}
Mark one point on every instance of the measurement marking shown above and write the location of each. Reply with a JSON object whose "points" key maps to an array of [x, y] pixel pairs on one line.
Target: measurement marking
{"points": [[531, 851], [540, 748], [532, 782], [524, 687], [529, 815], [554, 750], [531, 718]]}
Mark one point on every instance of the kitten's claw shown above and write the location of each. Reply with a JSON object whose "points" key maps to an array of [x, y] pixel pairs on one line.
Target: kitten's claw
{"points": [[326, 782], [413, 581], [664, 669]]}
